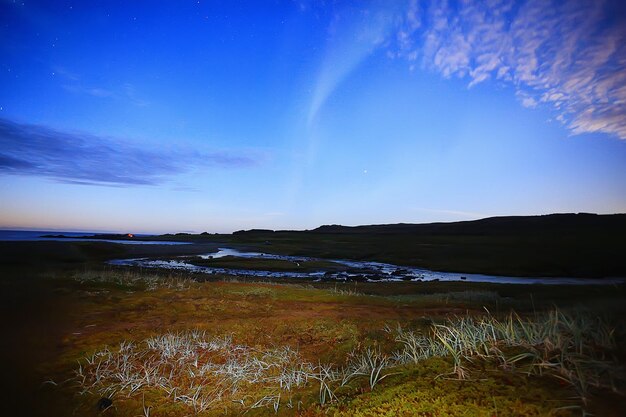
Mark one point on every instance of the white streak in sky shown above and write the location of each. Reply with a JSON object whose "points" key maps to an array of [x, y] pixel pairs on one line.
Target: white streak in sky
{"points": [[353, 36]]}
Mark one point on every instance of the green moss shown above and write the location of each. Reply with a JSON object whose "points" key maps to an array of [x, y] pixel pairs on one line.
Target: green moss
{"points": [[418, 391]]}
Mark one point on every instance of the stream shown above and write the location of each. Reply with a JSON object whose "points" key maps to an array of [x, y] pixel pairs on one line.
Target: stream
{"points": [[366, 271]]}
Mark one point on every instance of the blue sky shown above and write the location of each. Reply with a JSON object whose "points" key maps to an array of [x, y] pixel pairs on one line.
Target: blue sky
{"points": [[219, 116]]}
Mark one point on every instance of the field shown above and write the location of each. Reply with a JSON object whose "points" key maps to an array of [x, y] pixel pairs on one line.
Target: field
{"points": [[153, 343]]}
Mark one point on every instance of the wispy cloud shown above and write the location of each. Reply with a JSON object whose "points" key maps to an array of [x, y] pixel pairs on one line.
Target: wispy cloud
{"points": [[92, 91], [353, 35], [73, 83], [457, 213], [570, 55], [79, 158]]}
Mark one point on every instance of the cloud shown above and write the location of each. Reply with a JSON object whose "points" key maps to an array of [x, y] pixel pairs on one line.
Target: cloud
{"points": [[570, 55], [459, 213], [353, 36], [91, 91], [79, 158], [73, 83], [125, 94]]}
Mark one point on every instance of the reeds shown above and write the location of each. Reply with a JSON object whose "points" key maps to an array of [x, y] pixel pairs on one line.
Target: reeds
{"points": [[577, 348], [197, 370], [134, 279], [348, 292], [207, 372], [481, 297], [368, 363]]}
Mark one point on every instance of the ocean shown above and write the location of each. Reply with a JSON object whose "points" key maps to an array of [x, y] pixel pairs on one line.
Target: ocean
{"points": [[37, 235]]}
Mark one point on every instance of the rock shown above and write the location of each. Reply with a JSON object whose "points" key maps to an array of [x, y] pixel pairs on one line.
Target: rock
{"points": [[463, 277], [104, 403], [375, 277], [357, 278], [329, 276]]}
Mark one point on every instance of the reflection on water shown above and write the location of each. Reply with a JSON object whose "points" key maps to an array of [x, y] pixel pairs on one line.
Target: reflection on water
{"points": [[368, 271], [222, 252]]}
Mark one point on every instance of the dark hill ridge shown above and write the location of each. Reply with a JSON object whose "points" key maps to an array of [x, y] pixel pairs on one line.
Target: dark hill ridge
{"points": [[555, 223], [576, 245], [566, 245]]}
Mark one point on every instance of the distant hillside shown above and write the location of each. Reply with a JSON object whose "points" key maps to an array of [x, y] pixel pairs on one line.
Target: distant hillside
{"points": [[525, 225], [583, 245]]}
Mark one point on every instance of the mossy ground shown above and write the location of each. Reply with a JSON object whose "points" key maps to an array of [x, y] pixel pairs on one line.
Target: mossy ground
{"points": [[421, 391], [52, 322]]}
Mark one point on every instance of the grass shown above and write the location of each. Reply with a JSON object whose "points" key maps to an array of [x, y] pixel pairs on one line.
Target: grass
{"points": [[577, 348], [132, 280], [482, 297], [418, 392], [211, 373], [197, 370], [162, 344]]}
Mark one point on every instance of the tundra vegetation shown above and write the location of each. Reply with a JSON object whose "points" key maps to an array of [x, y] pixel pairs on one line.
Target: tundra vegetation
{"points": [[125, 342]]}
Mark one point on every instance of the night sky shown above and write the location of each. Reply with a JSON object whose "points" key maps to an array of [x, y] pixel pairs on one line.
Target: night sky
{"points": [[168, 116]]}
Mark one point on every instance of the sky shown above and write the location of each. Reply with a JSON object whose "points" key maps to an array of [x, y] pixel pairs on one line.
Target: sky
{"points": [[192, 116]]}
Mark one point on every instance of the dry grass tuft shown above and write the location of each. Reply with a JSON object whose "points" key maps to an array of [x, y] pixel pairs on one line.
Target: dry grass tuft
{"points": [[134, 279], [200, 371]]}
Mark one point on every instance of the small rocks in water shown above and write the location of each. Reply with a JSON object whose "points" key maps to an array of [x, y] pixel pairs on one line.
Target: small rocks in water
{"points": [[374, 277], [463, 277], [104, 403], [357, 278]]}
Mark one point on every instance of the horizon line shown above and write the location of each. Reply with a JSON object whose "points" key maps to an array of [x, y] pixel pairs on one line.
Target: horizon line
{"points": [[119, 231]]}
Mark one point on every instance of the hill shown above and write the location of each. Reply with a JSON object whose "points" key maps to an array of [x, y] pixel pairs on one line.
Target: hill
{"points": [[580, 245]]}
